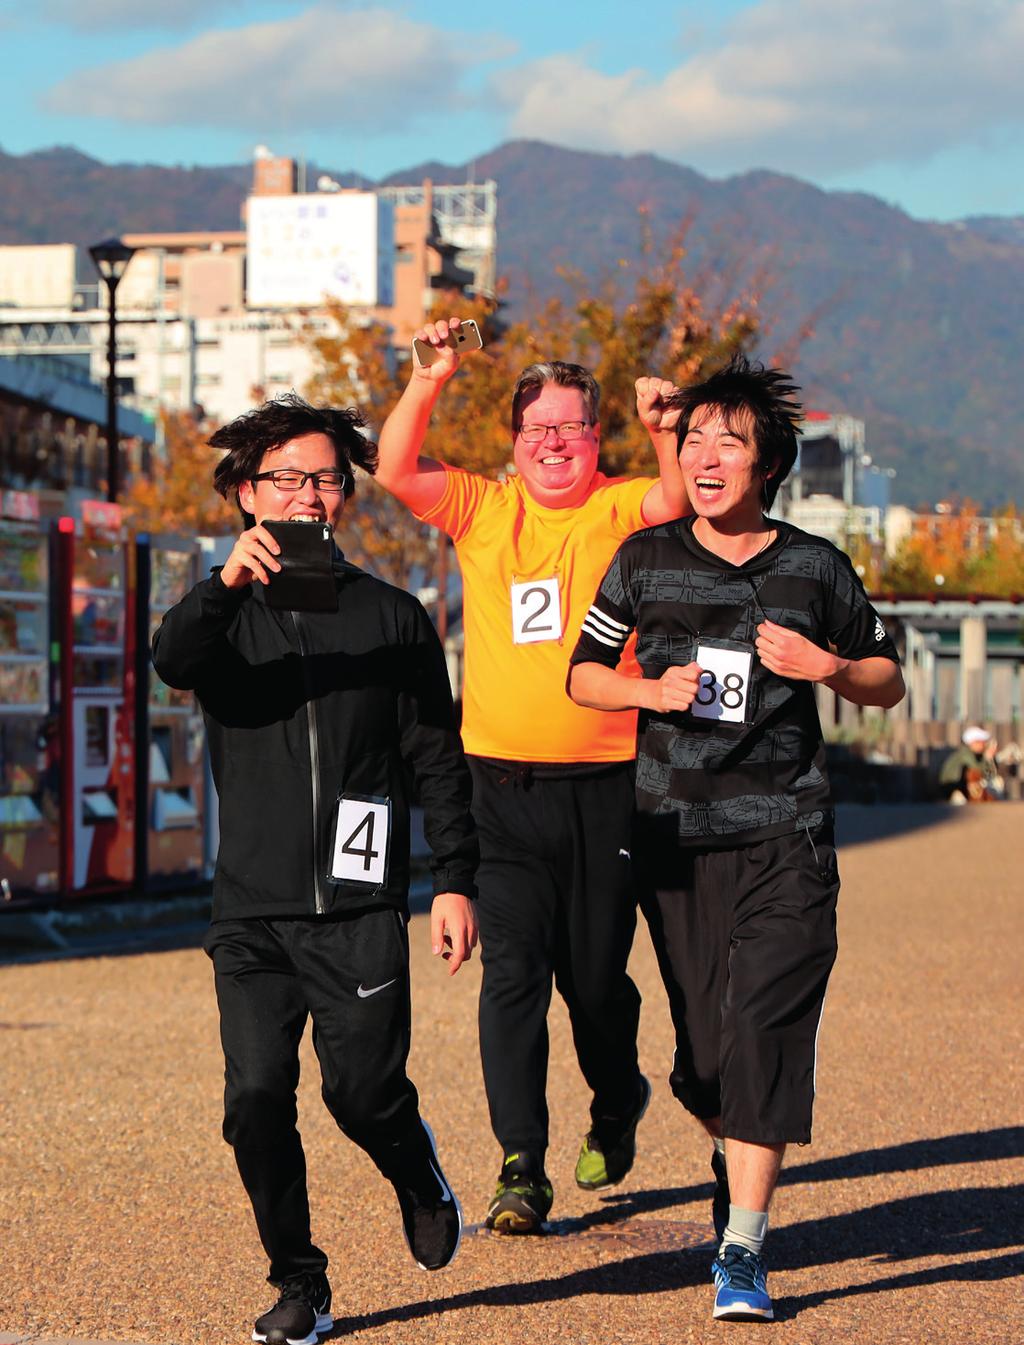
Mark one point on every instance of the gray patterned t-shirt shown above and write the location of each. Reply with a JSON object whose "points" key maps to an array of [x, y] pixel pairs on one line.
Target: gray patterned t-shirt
{"points": [[750, 763]]}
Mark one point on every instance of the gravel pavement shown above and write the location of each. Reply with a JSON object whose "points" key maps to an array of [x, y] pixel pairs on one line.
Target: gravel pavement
{"points": [[122, 1218]]}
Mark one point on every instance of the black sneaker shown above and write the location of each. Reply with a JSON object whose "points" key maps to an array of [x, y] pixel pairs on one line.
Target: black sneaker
{"points": [[608, 1151], [720, 1198], [300, 1315], [431, 1213], [523, 1199]]}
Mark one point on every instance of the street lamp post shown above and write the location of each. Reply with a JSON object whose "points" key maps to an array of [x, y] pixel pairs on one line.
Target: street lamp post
{"points": [[111, 257]]}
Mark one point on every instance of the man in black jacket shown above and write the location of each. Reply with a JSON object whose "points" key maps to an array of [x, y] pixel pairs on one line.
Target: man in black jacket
{"points": [[319, 723]]}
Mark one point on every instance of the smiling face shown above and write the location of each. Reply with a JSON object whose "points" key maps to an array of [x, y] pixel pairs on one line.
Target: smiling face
{"points": [[720, 465], [307, 453], [557, 472]]}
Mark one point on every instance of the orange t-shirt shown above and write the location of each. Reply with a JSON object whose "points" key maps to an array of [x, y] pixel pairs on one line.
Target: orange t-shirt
{"points": [[529, 574]]}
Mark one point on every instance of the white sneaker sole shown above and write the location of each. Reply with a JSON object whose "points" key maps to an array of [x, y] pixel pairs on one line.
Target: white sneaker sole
{"points": [[324, 1323]]}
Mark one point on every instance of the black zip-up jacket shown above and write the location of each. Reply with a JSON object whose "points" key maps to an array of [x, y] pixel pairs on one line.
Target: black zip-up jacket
{"points": [[303, 706]]}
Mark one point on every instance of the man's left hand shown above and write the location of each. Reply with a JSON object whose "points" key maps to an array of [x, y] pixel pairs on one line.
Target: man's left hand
{"points": [[792, 655], [453, 929], [652, 394]]}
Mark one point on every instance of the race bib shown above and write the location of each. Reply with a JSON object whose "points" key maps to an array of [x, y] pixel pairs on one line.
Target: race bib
{"points": [[724, 684], [536, 611], [362, 837]]}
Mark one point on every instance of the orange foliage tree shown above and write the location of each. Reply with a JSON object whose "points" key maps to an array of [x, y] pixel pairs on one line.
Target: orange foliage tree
{"points": [[960, 553], [177, 496], [645, 319]]}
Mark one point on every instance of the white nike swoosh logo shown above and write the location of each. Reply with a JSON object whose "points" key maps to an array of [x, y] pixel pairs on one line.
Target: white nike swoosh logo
{"points": [[446, 1195], [365, 994]]}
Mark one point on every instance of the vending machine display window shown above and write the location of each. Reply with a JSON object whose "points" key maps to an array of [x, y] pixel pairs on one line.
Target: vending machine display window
{"points": [[24, 620], [30, 785], [99, 566]]}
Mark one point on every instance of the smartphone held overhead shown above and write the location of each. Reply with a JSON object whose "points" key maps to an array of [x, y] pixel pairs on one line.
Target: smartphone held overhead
{"points": [[463, 338]]}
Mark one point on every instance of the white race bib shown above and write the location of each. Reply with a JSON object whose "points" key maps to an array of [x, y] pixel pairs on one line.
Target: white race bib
{"points": [[536, 611], [362, 835], [724, 684]]}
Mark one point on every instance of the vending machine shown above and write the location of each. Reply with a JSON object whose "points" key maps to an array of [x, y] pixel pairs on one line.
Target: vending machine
{"points": [[171, 784], [29, 730], [97, 702]]}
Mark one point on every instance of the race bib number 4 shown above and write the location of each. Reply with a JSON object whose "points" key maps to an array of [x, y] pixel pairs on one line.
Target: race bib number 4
{"points": [[536, 611], [362, 834], [724, 684]]}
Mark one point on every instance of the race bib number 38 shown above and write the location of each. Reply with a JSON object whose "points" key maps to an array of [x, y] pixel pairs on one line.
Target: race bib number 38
{"points": [[536, 611], [724, 684], [362, 834]]}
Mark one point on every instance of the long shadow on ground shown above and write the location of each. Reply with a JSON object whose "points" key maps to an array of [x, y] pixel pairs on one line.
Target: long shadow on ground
{"points": [[943, 1223], [981, 1146], [862, 823]]}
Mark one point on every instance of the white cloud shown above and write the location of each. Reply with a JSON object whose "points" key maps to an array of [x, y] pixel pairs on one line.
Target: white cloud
{"points": [[363, 70], [809, 86]]}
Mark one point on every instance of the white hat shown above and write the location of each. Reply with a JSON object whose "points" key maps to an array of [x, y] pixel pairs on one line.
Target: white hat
{"points": [[975, 735]]}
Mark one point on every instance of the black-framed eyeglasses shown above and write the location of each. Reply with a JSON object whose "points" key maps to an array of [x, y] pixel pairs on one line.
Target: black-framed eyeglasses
{"points": [[328, 482], [569, 429]]}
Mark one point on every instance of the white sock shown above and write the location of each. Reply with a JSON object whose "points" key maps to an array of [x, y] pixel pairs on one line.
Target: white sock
{"points": [[746, 1228]]}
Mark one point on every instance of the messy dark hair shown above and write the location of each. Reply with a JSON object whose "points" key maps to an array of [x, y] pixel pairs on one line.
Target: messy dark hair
{"points": [[770, 398], [247, 438], [563, 375]]}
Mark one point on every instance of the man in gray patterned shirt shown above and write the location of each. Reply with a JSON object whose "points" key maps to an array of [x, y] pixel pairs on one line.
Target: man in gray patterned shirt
{"points": [[737, 616]]}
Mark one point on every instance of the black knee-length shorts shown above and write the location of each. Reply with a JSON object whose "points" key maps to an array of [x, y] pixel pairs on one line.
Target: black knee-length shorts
{"points": [[745, 939]]}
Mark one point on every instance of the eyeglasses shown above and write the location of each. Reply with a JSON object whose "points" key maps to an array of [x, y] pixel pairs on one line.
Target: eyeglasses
{"points": [[569, 429], [328, 482]]}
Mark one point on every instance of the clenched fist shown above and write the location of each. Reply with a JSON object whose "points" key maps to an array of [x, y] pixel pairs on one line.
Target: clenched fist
{"points": [[652, 394], [674, 689]]}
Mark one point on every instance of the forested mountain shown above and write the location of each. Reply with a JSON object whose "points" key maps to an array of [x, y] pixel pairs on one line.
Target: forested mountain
{"points": [[915, 326]]}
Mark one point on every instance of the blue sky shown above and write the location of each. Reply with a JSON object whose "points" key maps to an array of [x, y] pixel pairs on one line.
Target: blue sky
{"points": [[918, 101]]}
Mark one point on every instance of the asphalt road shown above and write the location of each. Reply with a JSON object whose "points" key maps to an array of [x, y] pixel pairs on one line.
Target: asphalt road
{"points": [[123, 1220]]}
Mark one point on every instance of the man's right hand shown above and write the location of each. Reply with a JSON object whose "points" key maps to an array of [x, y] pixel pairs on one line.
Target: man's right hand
{"points": [[435, 334], [251, 557], [674, 689]]}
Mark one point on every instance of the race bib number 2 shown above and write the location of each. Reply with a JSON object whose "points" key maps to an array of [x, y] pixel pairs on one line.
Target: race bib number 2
{"points": [[536, 611], [724, 684], [362, 834]]}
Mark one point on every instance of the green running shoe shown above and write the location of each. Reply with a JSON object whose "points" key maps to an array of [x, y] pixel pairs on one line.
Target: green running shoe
{"points": [[608, 1151], [523, 1199]]}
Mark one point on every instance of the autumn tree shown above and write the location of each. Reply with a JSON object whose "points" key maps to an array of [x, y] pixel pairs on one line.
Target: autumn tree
{"points": [[645, 318], [177, 495], [960, 553]]}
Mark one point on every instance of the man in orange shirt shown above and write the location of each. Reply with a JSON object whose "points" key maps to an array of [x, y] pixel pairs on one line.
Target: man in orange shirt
{"points": [[552, 781]]}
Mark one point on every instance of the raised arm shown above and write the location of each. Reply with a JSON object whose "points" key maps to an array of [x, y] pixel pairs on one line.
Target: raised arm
{"points": [[667, 498], [418, 482]]}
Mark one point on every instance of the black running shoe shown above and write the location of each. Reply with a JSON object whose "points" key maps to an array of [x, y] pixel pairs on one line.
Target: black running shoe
{"points": [[720, 1198], [300, 1315], [523, 1199], [608, 1151], [431, 1214]]}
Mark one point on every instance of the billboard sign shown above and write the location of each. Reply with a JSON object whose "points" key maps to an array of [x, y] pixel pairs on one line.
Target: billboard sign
{"points": [[301, 248]]}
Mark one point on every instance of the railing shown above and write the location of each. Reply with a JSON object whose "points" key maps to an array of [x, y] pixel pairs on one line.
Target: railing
{"points": [[52, 452]]}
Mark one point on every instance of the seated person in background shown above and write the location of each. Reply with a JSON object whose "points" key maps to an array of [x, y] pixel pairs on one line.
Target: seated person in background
{"points": [[970, 774]]}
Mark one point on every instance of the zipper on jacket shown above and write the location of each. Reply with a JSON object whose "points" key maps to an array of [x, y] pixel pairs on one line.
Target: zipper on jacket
{"points": [[314, 770]]}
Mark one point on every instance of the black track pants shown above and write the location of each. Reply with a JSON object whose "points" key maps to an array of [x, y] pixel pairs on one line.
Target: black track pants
{"points": [[745, 940], [556, 901], [351, 976]]}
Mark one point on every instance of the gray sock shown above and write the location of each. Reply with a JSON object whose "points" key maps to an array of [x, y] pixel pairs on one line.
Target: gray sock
{"points": [[719, 1144], [746, 1228]]}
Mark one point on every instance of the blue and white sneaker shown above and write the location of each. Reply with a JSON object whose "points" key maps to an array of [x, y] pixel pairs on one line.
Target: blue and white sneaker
{"points": [[741, 1281]]}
